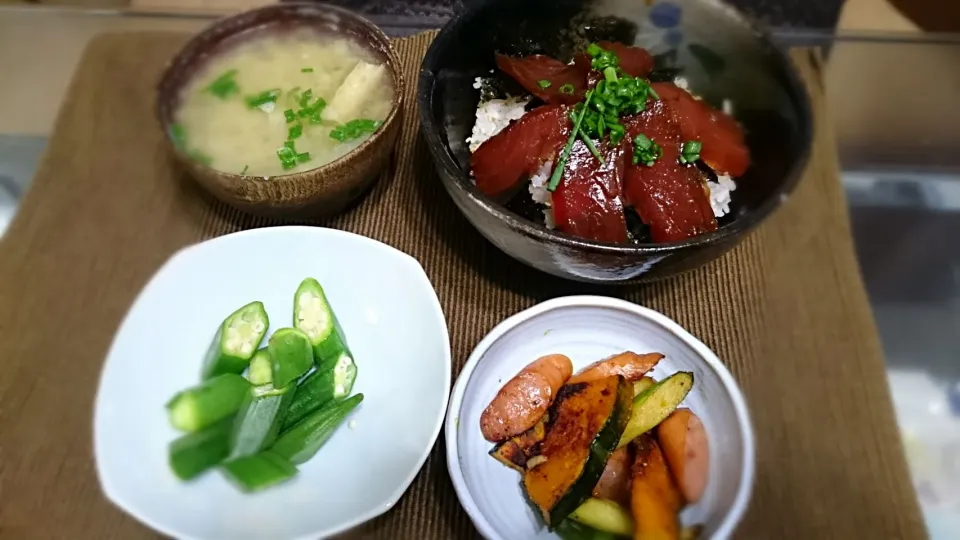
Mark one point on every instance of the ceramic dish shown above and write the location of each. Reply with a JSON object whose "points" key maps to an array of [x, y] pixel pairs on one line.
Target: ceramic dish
{"points": [[324, 190], [395, 328], [722, 54], [587, 328]]}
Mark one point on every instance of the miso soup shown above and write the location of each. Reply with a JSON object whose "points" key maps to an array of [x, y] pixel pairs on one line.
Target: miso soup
{"points": [[283, 102]]}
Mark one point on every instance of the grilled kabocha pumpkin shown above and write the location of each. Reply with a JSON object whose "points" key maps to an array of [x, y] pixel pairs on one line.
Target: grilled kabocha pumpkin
{"points": [[585, 423], [515, 452], [655, 499]]}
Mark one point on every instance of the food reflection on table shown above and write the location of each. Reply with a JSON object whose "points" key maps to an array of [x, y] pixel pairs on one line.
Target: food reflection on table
{"points": [[605, 452], [282, 102], [604, 153], [260, 412]]}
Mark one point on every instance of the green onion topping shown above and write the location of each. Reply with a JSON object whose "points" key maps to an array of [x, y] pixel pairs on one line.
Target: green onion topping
{"points": [[295, 131], [178, 135], [245, 169], [267, 96], [289, 115], [690, 152], [305, 98], [565, 154], [224, 86], [200, 157], [602, 59], [354, 129], [616, 95], [306, 70], [645, 151], [567, 89], [287, 155], [304, 157], [543, 83]]}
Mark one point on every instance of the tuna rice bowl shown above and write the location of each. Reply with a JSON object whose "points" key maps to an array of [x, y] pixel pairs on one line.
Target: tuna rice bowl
{"points": [[604, 148]]}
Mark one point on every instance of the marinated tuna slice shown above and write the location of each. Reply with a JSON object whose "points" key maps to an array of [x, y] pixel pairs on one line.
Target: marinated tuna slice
{"points": [[671, 198], [503, 161], [587, 201], [723, 148], [547, 78], [634, 61]]}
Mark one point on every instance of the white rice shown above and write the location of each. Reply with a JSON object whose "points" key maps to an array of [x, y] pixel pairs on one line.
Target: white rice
{"points": [[493, 116], [539, 193], [720, 194]]}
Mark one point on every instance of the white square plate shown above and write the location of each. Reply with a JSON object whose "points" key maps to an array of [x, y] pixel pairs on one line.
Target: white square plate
{"points": [[395, 328]]}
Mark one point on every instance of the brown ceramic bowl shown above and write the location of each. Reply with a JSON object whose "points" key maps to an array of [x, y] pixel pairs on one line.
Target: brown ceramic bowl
{"points": [[318, 192]]}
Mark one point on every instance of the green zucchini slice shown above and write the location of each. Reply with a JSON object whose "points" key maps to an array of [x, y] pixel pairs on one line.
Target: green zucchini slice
{"points": [[604, 515], [655, 404]]}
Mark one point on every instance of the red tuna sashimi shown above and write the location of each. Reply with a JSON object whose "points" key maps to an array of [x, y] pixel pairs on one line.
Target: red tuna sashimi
{"points": [[587, 201], [672, 199], [634, 61], [505, 159], [530, 70], [723, 147]]}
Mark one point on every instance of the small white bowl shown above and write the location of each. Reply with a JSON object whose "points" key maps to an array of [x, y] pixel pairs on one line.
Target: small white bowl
{"points": [[588, 328], [397, 332]]}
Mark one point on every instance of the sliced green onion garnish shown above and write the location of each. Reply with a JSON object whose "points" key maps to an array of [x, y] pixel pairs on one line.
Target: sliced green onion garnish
{"points": [[290, 145], [593, 49], [289, 115], [590, 146], [295, 131], [610, 74], [565, 154], [178, 135], [304, 157], [305, 98], [566, 89], [543, 83], [306, 70], [200, 157], [224, 86], [690, 152], [645, 150], [245, 169], [354, 129], [267, 96], [288, 164]]}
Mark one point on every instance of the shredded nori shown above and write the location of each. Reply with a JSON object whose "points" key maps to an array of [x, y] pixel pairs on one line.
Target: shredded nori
{"points": [[637, 231]]}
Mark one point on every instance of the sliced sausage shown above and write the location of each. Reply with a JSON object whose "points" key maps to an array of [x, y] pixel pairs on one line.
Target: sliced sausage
{"points": [[524, 399], [630, 365]]}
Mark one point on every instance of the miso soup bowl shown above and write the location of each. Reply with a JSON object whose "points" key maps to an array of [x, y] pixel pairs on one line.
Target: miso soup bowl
{"points": [[319, 192], [723, 55]]}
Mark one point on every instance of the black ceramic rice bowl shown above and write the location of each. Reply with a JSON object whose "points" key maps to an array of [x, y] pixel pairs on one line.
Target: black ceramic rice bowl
{"points": [[714, 48]]}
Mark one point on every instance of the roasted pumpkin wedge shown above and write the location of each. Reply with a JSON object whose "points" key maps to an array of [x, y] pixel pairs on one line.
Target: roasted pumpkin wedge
{"points": [[585, 423], [655, 404], [515, 452], [655, 499]]}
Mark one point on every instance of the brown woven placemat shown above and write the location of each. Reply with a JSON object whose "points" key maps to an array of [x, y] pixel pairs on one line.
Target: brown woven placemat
{"points": [[786, 310]]}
